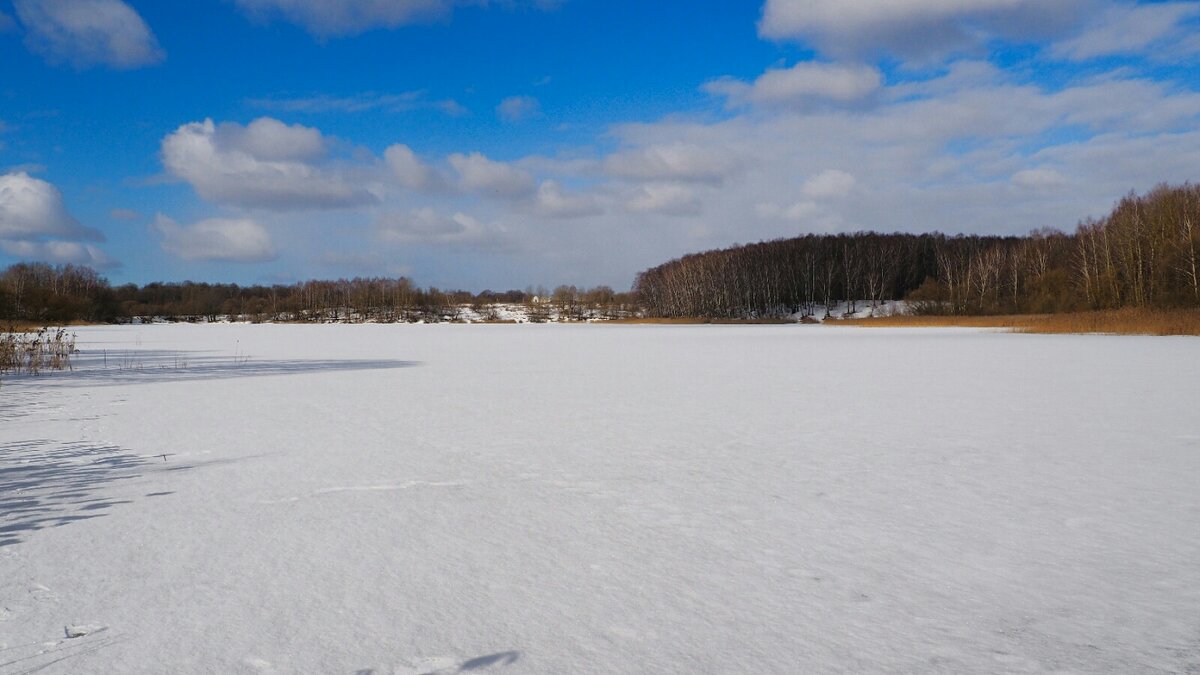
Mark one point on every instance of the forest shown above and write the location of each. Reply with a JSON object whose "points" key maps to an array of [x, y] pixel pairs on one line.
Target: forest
{"points": [[38, 293], [1144, 254]]}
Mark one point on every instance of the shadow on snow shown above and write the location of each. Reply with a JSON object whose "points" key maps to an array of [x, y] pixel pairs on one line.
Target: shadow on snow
{"points": [[167, 366], [478, 664], [45, 484]]}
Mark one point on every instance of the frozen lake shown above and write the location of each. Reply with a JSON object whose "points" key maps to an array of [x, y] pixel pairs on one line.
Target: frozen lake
{"points": [[602, 499]]}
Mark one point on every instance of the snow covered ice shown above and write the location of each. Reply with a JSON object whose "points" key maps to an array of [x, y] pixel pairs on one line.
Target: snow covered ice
{"points": [[601, 499]]}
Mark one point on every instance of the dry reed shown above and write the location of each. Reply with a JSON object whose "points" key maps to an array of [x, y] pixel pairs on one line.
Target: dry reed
{"points": [[48, 349], [1128, 321]]}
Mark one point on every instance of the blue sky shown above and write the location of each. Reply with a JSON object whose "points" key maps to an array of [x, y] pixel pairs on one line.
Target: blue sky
{"points": [[506, 144]]}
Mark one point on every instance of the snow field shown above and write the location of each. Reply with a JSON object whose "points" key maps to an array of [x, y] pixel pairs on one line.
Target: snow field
{"points": [[598, 499]]}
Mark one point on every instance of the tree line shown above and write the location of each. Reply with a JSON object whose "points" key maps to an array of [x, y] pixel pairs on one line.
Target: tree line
{"points": [[1145, 253], [48, 294]]}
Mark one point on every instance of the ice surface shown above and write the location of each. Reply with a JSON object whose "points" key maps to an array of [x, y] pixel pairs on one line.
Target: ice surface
{"points": [[602, 499]]}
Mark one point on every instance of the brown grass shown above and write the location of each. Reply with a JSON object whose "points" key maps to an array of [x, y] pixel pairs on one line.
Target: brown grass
{"points": [[10, 326], [698, 320], [1115, 322], [31, 353]]}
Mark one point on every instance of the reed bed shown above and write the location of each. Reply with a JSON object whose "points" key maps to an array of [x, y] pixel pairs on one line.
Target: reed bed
{"points": [[33, 352], [1128, 321]]}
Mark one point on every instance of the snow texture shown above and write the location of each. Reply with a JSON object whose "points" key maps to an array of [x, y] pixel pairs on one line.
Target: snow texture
{"points": [[601, 499]]}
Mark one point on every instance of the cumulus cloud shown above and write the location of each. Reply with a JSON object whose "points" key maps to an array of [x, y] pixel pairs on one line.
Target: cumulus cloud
{"points": [[35, 225], [410, 171], [60, 253], [479, 174], [31, 208], [554, 202], [1132, 29], [88, 32], [664, 198], [949, 156], [829, 184], [266, 164], [914, 28], [269, 139], [804, 83], [518, 108], [224, 239], [427, 226], [685, 162]]}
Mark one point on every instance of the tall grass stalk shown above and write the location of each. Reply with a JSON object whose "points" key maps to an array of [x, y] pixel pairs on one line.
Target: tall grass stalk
{"points": [[44, 349]]}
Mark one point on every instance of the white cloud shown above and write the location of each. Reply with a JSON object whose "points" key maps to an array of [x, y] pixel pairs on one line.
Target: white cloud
{"points": [[225, 239], [803, 83], [271, 140], [944, 154], [804, 216], [664, 198], [35, 225], [829, 184], [31, 208], [404, 102], [914, 28], [347, 17], [124, 214], [60, 253], [350, 260], [409, 170], [686, 162], [26, 168], [329, 18], [518, 108], [1133, 29], [265, 165], [427, 226], [1040, 180], [797, 212], [479, 174], [554, 202], [88, 32]]}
